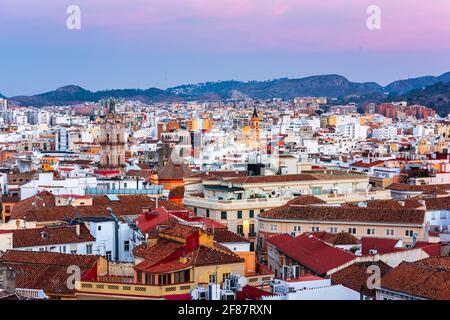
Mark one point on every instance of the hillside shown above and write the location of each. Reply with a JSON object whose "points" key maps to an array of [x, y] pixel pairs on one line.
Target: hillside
{"points": [[404, 86], [331, 86], [436, 96], [326, 85]]}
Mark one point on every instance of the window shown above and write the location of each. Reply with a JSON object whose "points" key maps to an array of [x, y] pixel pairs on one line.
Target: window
{"points": [[315, 229], [99, 228], [63, 249], [89, 249], [273, 227], [225, 276], [240, 230], [139, 276], [262, 211], [126, 246], [389, 232], [352, 230], [212, 278], [207, 213], [252, 232], [370, 232], [73, 251], [252, 214], [41, 249], [239, 214], [195, 210], [108, 255], [333, 230], [223, 215], [409, 233]]}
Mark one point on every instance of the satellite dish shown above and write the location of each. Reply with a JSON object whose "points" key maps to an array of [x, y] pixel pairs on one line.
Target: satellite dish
{"points": [[195, 294], [242, 282]]}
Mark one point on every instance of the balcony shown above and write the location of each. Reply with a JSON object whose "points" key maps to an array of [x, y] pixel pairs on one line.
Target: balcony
{"points": [[120, 290]]}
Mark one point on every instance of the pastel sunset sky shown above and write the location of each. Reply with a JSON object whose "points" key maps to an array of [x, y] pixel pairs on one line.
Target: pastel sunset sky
{"points": [[163, 43]]}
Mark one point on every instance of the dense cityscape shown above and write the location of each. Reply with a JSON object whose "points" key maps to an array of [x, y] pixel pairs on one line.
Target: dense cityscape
{"points": [[224, 158], [228, 200]]}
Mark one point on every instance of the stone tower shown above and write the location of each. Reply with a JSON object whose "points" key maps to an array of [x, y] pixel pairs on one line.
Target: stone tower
{"points": [[255, 125], [112, 139]]}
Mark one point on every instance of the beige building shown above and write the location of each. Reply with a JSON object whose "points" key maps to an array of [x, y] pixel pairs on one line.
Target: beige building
{"points": [[237, 201], [405, 224]]}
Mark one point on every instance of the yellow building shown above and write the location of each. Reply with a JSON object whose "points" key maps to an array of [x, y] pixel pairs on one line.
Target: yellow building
{"points": [[423, 146], [171, 264], [48, 163]]}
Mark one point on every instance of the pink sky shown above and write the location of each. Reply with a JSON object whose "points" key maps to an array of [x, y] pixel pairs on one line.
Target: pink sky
{"points": [[270, 33]]}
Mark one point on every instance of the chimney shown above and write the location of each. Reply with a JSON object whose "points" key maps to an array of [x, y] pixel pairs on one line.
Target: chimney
{"points": [[77, 229]]}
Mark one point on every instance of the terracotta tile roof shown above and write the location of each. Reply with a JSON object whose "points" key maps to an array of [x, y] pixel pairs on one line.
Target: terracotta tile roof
{"points": [[362, 164], [336, 239], [43, 199], [426, 189], [164, 267], [165, 257], [224, 236], [45, 270], [130, 205], [355, 276], [203, 256], [429, 278], [441, 203], [162, 249], [177, 193], [173, 171], [345, 214], [146, 174], [53, 235], [179, 230], [305, 201], [314, 253], [391, 204]]}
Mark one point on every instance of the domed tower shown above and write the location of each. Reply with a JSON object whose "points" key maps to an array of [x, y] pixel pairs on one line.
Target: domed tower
{"points": [[112, 139]]}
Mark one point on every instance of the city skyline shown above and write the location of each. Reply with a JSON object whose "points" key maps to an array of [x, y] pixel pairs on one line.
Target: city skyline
{"points": [[168, 43]]}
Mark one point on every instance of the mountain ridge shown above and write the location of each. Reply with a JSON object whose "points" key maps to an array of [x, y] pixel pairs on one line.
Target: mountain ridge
{"points": [[328, 85]]}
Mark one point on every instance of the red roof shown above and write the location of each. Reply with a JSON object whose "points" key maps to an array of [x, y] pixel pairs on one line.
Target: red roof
{"points": [[251, 293], [432, 249], [148, 221], [178, 297], [314, 253], [107, 172], [279, 239], [381, 245]]}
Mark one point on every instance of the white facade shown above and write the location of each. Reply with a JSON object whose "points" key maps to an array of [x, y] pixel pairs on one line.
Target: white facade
{"points": [[46, 182]]}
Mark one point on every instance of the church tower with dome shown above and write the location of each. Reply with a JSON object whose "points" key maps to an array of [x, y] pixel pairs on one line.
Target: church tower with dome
{"points": [[112, 139]]}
